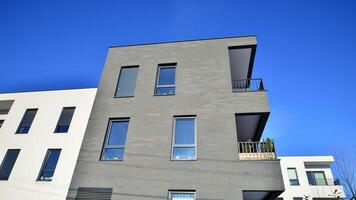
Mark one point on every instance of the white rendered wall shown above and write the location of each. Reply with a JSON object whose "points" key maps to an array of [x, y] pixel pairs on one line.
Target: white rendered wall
{"points": [[22, 182], [304, 188]]}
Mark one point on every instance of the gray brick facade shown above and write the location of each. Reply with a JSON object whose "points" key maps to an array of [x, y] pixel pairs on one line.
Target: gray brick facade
{"points": [[203, 88]]}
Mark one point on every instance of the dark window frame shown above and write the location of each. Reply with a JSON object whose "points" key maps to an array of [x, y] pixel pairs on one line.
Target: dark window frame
{"points": [[18, 131], [60, 117], [107, 136], [4, 159], [118, 80], [314, 182], [159, 67], [1, 122], [296, 174], [45, 160]]}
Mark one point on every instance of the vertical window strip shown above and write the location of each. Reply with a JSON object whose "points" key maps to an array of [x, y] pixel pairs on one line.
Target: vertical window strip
{"points": [[166, 80], [64, 120], [8, 163], [26, 121], [115, 139], [126, 84], [183, 148], [49, 165]]}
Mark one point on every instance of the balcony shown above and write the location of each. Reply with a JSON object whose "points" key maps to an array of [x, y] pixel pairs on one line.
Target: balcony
{"points": [[247, 85], [324, 182], [257, 150]]}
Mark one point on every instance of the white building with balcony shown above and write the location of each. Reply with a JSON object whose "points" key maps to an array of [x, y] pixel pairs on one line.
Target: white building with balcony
{"points": [[309, 177]]}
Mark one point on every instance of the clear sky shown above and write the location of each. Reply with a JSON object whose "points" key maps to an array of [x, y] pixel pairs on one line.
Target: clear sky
{"points": [[306, 53]]}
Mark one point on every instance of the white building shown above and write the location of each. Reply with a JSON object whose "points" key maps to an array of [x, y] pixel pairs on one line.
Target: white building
{"points": [[309, 176], [40, 138]]}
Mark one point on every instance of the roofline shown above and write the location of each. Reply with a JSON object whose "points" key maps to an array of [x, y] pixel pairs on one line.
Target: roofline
{"points": [[176, 41], [51, 90]]}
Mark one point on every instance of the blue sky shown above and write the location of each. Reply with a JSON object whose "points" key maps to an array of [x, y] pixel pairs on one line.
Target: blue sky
{"points": [[306, 53]]}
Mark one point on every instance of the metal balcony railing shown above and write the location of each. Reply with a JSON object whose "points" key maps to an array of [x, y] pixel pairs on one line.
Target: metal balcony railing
{"points": [[247, 85], [256, 150]]}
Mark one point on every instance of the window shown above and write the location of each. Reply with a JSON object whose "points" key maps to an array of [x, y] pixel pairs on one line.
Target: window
{"points": [[297, 198], [181, 195], [115, 139], [316, 178], [1, 123], [166, 78], [94, 193], [49, 165], [184, 142], [26, 121], [293, 177], [64, 120], [8, 163], [127, 82]]}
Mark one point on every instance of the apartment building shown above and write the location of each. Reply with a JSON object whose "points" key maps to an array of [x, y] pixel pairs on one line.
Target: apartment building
{"points": [[179, 121], [309, 177], [40, 137]]}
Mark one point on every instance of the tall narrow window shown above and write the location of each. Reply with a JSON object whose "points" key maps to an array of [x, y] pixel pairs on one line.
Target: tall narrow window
{"points": [[1, 123], [49, 165], [181, 195], [8, 163], [127, 82], [166, 80], [115, 139], [184, 139], [26, 121], [316, 178], [64, 120], [293, 177]]}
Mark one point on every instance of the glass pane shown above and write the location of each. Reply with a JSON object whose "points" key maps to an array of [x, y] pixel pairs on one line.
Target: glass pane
{"points": [[165, 91], [182, 196], [183, 153], [127, 82], [1, 122], [53, 156], [27, 121], [113, 154], [167, 76], [64, 120], [46, 175], [185, 131], [118, 132], [292, 174], [8, 163], [320, 178], [311, 179]]}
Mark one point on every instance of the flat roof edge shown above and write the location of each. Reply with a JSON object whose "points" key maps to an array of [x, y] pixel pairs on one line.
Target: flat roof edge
{"points": [[51, 90], [178, 41]]}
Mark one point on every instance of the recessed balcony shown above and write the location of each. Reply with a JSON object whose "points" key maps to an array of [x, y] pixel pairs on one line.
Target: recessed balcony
{"points": [[248, 85], [257, 150]]}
